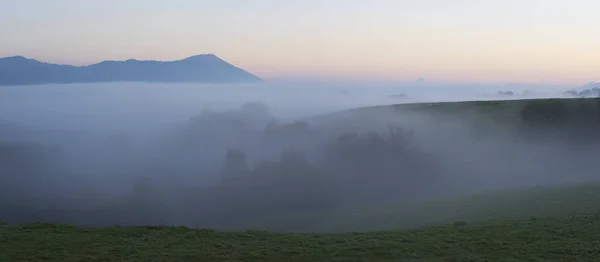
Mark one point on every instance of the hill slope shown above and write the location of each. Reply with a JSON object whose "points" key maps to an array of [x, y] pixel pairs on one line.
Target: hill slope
{"points": [[481, 117], [519, 203], [571, 238], [19, 70], [498, 111]]}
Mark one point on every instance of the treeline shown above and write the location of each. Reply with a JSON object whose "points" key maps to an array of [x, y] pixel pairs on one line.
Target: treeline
{"points": [[575, 120], [351, 169]]}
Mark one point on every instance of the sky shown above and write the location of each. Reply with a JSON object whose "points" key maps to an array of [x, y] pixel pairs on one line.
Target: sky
{"points": [[553, 41]]}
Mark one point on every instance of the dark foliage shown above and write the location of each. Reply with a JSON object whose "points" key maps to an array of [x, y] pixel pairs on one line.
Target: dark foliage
{"points": [[373, 167], [348, 169], [575, 122]]}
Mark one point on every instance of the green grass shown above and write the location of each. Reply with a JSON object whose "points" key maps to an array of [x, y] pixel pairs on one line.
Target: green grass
{"points": [[500, 227], [569, 238], [540, 201], [499, 109], [496, 113]]}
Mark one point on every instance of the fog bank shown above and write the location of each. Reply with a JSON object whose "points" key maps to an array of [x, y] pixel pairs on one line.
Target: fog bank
{"points": [[223, 156]]}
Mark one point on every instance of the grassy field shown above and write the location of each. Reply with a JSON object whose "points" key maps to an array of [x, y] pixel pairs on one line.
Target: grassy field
{"points": [[497, 109], [569, 238], [505, 114], [496, 226], [512, 204]]}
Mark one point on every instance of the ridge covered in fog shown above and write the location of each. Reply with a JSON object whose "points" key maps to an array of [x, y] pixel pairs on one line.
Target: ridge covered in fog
{"points": [[223, 156]]}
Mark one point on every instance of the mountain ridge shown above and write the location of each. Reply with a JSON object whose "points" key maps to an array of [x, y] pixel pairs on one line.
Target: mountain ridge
{"points": [[203, 68]]}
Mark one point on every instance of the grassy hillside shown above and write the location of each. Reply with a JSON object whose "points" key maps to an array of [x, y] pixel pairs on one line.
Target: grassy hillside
{"points": [[498, 109], [569, 238], [498, 113], [497, 226], [477, 208]]}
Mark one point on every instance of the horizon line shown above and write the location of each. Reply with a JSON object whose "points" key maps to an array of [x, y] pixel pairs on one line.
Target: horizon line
{"points": [[109, 60], [314, 78]]}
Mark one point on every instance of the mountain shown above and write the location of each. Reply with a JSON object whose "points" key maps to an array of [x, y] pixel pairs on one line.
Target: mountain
{"points": [[206, 68]]}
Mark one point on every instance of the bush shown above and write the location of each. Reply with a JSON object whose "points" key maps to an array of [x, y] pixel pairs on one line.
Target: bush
{"points": [[374, 167]]}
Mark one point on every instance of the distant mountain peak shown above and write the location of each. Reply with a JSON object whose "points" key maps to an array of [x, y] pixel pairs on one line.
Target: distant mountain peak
{"points": [[15, 58], [203, 68], [203, 57]]}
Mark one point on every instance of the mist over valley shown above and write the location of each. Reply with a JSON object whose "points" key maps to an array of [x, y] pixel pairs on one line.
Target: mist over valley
{"points": [[228, 156]]}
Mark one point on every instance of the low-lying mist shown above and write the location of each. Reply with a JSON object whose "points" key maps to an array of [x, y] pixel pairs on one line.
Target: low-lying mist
{"points": [[225, 159]]}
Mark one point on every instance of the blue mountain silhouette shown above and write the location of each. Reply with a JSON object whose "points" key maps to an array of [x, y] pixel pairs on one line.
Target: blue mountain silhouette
{"points": [[206, 68]]}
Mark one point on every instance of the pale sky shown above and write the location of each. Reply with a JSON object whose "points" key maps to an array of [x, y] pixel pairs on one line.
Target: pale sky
{"points": [[445, 40]]}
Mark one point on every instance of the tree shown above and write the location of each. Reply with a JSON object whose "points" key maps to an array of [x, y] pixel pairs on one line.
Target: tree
{"points": [[235, 163], [375, 167]]}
